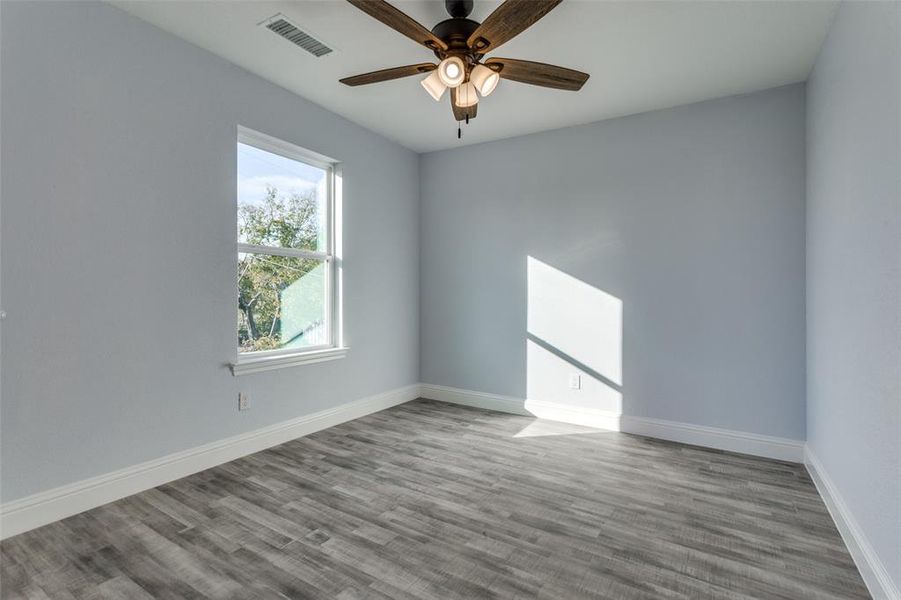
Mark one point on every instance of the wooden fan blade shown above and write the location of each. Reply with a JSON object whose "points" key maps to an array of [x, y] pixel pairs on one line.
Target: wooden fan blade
{"points": [[400, 22], [507, 21], [460, 113], [536, 73], [388, 74]]}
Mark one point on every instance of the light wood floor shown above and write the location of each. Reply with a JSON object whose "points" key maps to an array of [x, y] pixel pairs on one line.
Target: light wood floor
{"points": [[429, 500]]}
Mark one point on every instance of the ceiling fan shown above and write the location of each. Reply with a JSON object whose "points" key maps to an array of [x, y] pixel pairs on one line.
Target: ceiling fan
{"points": [[460, 44]]}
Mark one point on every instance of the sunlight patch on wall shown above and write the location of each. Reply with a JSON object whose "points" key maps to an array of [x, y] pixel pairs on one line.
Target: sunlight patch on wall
{"points": [[548, 377], [577, 319], [573, 349]]}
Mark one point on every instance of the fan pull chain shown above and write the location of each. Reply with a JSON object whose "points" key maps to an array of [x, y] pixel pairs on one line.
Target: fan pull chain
{"points": [[459, 131], [467, 118]]}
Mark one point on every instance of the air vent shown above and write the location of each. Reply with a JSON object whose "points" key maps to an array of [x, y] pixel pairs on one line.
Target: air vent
{"points": [[291, 32]]}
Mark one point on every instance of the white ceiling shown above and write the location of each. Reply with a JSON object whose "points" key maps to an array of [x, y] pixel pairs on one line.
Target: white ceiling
{"points": [[641, 56]]}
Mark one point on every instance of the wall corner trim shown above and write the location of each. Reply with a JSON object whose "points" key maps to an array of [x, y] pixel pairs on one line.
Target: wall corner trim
{"points": [[52, 505], [871, 568], [686, 433]]}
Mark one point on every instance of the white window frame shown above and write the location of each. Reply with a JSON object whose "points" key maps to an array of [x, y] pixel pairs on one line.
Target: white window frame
{"points": [[264, 360]]}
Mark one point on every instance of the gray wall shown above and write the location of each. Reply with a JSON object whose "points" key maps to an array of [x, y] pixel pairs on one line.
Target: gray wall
{"points": [[692, 218], [118, 246], [854, 268]]}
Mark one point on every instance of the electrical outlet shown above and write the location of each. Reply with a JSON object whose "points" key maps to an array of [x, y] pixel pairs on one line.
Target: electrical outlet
{"points": [[243, 401], [575, 381]]}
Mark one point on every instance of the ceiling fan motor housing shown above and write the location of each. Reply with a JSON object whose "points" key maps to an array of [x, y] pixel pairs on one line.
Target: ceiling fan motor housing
{"points": [[454, 33]]}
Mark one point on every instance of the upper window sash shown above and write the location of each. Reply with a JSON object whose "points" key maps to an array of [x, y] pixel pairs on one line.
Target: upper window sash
{"points": [[283, 148], [296, 168]]}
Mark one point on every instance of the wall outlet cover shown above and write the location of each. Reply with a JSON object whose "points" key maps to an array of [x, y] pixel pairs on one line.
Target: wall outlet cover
{"points": [[575, 381]]}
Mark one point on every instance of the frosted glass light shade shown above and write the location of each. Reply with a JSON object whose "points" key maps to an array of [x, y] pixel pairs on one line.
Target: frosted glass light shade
{"points": [[433, 85], [466, 95], [451, 71], [484, 79]]}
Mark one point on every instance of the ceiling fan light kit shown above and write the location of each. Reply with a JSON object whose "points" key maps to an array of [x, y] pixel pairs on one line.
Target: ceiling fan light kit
{"points": [[433, 85], [452, 71], [460, 45], [466, 95], [484, 79]]}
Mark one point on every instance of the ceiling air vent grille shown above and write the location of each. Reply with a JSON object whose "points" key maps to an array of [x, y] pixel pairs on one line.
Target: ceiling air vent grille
{"points": [[283, 27]]}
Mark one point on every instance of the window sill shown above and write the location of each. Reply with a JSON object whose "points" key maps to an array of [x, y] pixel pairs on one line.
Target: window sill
{"points": [[245, 366]]}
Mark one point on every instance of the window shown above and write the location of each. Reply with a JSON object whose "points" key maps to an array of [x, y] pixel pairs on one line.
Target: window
{"points": [[287, 284]]}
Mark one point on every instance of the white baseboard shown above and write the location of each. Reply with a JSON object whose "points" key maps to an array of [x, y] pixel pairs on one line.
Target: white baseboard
{"points": [[600, 419], [579, 415], [712, 437], [46, 507], [698, 435], [871, 568], [507, 404]]}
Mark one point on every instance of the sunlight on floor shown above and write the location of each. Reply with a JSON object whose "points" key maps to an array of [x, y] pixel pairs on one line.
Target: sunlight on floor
{"points": [[543, 428]]}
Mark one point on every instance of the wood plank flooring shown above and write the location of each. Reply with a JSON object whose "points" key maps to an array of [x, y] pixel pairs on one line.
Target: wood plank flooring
{"points": [[429, 500]]}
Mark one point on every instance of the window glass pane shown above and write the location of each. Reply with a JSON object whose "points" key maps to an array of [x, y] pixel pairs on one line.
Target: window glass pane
{"points": [[281, 302], [281, 202]]}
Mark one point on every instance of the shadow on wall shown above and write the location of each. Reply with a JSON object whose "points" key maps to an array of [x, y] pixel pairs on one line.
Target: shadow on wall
{"points": [[574, 350]]}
